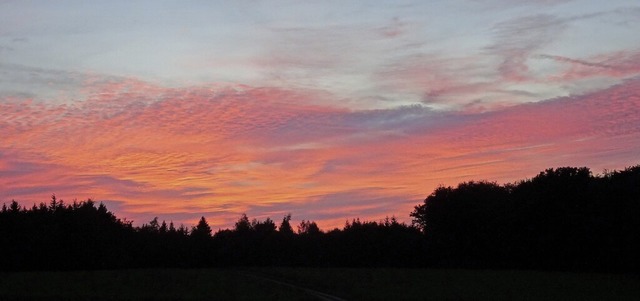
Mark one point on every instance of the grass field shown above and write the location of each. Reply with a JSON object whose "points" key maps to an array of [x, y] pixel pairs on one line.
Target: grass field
{"points": [[161, 284], [350, 284], [421, 284]]}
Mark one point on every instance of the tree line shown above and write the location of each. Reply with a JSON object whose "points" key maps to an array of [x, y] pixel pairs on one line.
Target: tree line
{"points": [[561, 219], [85, 235]]}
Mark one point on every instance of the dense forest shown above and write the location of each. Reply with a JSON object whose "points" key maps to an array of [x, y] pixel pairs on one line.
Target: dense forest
{"points": [[561, 219]]}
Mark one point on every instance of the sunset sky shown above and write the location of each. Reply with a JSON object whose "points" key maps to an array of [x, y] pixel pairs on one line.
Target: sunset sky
{"points": [[328, 110]]}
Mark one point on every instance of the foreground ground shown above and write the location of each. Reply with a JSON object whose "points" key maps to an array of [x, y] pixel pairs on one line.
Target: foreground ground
{"points": [[304, 283]]}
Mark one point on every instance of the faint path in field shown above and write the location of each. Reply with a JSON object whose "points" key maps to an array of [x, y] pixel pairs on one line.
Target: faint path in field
{"points": [[317, 294]]}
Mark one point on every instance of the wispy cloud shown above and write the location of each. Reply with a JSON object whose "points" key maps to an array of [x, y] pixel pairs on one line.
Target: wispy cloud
{"points": [[331, 110], [261, 150], [517, 39], [612, 65]]}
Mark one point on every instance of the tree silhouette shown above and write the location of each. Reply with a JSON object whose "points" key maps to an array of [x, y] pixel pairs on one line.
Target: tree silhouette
{"points": [[308, 228], [285, 227], [561, 219], [465, 224], [163, 228], [243, 225], [202, 230], [265, 227]]}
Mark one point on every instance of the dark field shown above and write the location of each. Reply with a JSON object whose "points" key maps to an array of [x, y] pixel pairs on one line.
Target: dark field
{"points": [[152, 284], [350, 284]]}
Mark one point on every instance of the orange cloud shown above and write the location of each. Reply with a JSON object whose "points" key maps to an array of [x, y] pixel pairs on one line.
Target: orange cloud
{"points": [[218, 151]]}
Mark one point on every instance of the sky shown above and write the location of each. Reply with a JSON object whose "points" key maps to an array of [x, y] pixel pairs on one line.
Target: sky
{"points": [[328, 110]]}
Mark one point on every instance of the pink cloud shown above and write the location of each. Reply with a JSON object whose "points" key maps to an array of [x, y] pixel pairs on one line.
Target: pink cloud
{"points": [[613, 65], [393, 30], [224, 150]]}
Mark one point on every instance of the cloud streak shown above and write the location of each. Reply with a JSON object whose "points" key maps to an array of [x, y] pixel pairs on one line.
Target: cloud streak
{"points": [[261, 150], [611, 65], [330, 110]]}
